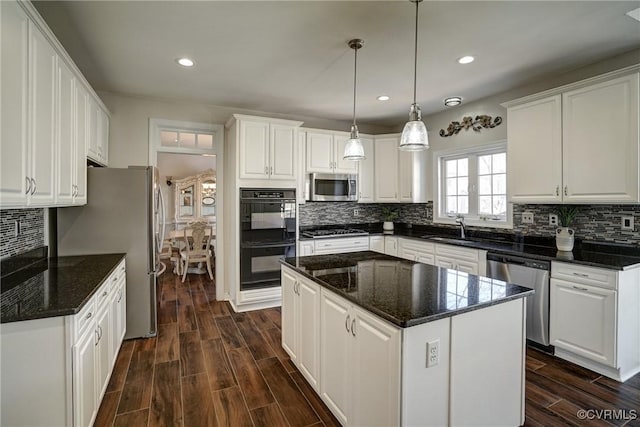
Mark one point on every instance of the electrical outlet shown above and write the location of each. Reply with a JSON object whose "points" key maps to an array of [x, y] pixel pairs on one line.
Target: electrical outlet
{"points": [[553, 219], [527, 217], [627, 223], [16, 231], [433, 353], [356, 212]]}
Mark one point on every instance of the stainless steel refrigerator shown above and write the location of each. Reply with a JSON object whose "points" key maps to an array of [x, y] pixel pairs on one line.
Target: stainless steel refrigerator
{"points": [[124, 213]]}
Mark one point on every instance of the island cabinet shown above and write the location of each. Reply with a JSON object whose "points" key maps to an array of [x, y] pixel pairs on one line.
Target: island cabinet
{"points": [[578, 143], [594, 319], [467, 260], [416, 250]]}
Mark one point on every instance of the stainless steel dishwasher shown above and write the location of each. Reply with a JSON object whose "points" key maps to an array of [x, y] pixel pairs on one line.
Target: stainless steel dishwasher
{"points": [[532, 274]]}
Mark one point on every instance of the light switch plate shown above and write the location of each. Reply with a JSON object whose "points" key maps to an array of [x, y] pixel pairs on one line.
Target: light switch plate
{"points": [[627, 223]]}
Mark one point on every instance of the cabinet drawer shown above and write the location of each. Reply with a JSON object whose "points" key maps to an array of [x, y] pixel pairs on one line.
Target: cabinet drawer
{"points": [[465, 254], [341, 245], [84, 319], [120, 271], [417, 246], [587, 275]]}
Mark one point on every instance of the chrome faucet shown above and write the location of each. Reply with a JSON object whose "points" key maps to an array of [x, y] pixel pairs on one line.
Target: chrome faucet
{"points": [[460, 220]]}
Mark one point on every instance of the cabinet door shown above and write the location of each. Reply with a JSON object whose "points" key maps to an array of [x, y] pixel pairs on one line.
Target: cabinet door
{"points": [[341, 165], [93, 128], [282, 155], [405, 176], [319, 152], [376, 349], [66, 164], [407, 253], [306, 248], [335, 339], [366, 173], [391, 246], [122, 311], [289, 309], [445, 262], [43, 71], [386, 170], [81, 136], [254, 150], [309, 331], [376, 244], [84, 379], [582, 320], [534, 154], [14, 31], [467, 267], [117, 323], [103, 136], [103, 350], [600, 142]]}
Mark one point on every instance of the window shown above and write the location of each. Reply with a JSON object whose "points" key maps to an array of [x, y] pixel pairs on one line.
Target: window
{"points": [[473, 184]]}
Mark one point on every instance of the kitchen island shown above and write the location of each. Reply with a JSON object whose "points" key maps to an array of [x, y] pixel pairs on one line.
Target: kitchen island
{"points": [[387, 341]]}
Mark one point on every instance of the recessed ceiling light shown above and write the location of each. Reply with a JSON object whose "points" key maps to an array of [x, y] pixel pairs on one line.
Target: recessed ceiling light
{"points": [[635, 14], [453, 101], [466, 60], [185, 62], [383, 98]]}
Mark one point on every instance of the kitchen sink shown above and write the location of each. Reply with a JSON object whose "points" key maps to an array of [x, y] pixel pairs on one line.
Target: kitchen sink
{"points": [[457, 240]]}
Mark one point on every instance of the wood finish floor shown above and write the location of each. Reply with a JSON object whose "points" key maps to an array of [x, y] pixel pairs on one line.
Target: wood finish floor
{"points": [[209, 366]]}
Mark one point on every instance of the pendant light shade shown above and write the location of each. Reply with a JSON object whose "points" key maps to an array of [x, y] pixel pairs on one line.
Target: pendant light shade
{"points": [[353, 149], [414, 135]]}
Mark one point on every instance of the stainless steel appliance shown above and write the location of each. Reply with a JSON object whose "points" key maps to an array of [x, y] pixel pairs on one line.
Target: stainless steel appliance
{"points": [[332, 232], [532, 274], [267, 234], [124, 213], [323, 187]]}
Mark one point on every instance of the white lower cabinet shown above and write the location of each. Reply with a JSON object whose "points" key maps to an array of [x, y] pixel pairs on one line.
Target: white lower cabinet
{"points": [[84, 380], [415, 250], [376, 244], [472, 261], [359, 364], [594, 319], [391, 245], [306, 248], [341, 245]]}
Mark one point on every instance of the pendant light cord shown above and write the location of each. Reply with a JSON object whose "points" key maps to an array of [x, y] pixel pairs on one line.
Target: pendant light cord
{"points": [[355, 80], [415, 56]]}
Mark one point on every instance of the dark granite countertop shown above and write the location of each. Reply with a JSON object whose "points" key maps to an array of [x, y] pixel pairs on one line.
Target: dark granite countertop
{"points": [[613, 256], [54, 287], [404, 292]]}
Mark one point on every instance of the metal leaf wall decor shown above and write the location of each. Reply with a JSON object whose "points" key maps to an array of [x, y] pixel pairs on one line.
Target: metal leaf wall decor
{"points": [[476, 124]]}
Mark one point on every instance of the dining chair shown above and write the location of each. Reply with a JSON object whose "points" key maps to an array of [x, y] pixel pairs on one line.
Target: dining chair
{"points": [[197, 237]]}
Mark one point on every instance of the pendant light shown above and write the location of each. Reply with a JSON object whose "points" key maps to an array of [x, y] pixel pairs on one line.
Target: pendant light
{"points": [[353, 150], [414, 135]]}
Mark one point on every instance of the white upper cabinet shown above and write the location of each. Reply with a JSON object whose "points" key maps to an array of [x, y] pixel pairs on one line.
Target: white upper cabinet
{"points": [[66, 175], [325, 150], [366, 173], [81, 117], [576, 144], [267, 149], [98, 133], [386, 170]]}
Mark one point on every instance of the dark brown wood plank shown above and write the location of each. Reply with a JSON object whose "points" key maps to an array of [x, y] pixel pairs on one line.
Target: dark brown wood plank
{"points": [[167, 312], [183, 294], [268, 416], [275, 315], [569, 412], [565, 371], [231, 409], [229, 333], [318, 405], [119, 374], [107, 410], [627, 390], [539, 396], [200, 300], [217, 365], [131, 419], [220, 308], [191, 358], [261, 320], [168, 291], [198, 403], [207, 325], [186, 318], [274, 338], [168, 343], [259, 347], [166, 404], [136, 393], [289, 366], [293, 404], [543, 416], [533, 364], [253, 386]]}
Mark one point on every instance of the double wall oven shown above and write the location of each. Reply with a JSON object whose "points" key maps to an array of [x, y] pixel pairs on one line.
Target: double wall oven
{"points": [[267, 234]]}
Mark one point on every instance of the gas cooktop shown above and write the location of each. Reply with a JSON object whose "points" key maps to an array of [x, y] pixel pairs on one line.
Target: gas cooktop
{"points": [[332, 232]]}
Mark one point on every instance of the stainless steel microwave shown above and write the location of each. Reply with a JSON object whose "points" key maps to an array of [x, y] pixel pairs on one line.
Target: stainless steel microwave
{"points": [[329, 187]]}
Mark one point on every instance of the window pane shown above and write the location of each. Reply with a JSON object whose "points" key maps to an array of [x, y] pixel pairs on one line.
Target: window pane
{"points": [[499, 205], [499, 184], [500, 163], [463, 205], [485, 205], [463, 167], [187, 139], [452, 204], [463, 186], [484, 185], [451, 168], [205, 141], [169, 139], [452, 186], [484, 165]]}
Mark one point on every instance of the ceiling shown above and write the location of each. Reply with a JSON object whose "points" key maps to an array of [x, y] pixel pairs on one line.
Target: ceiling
{"points": [[291, 57]]}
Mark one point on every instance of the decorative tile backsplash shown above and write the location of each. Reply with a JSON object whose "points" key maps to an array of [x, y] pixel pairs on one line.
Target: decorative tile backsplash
{"points": [[593, 222], [31, 231]]}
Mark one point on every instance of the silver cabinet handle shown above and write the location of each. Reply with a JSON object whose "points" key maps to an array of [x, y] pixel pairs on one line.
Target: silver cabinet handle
{"points": [[88, 316], [115, 279], [557, 190], [100, 327], [104, 294], [33, 186], [566, 192], [271, 170], [395, 195], [580, 289], [28, 185], [580, 274], [97, 338], [346, 323], [353, 327], [120, 295], [266, 170]]}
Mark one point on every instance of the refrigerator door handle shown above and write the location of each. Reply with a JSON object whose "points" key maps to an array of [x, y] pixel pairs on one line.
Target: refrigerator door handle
{"points": [[161, 223]]}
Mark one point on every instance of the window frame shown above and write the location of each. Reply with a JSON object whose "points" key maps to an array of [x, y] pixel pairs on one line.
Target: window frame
{"points": [[473, 218]]}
